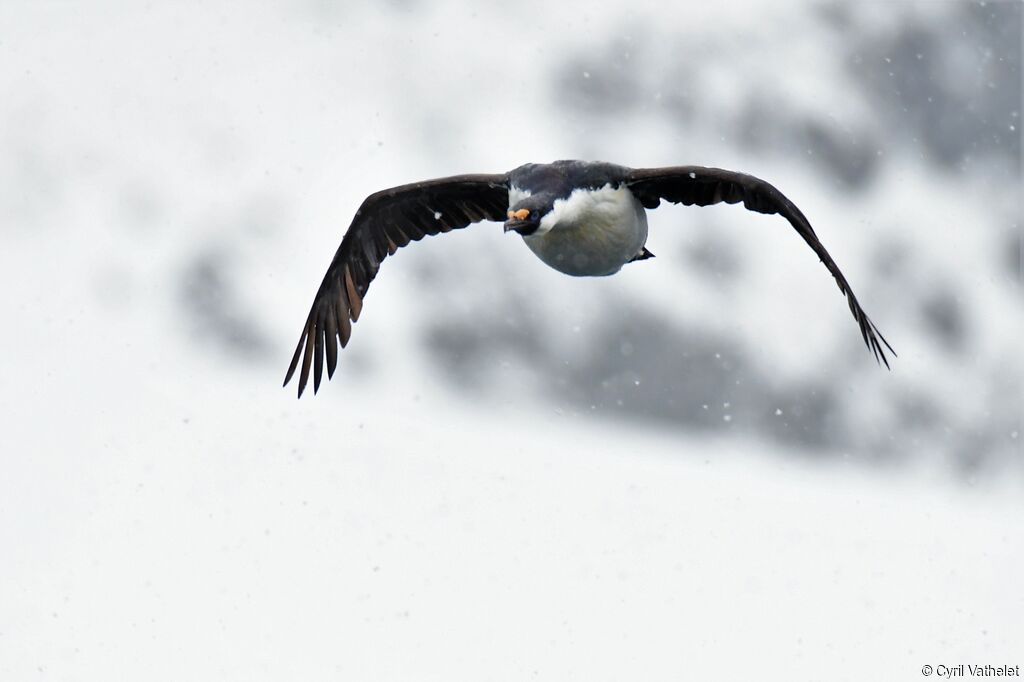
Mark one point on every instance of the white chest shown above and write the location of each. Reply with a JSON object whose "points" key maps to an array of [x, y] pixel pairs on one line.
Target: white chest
{"points": [[591, 232]]}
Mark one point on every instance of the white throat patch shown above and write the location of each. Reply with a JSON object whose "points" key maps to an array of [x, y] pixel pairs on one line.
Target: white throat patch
{"points": [[602, 205]]}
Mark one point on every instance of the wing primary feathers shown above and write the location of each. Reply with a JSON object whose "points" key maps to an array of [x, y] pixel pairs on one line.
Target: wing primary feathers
{"points": [[295, 359], [385, 222], [353, 296], [307, 356], [400, 237], [702, 186], [341, 315], [318, 357], [331, 339]]}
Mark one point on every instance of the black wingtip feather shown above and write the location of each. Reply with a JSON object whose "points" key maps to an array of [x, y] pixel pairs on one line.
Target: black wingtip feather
{"points": [[873, 338], [318, 358], [295, 360], [331, 341], [307, 358], [876, 335]]}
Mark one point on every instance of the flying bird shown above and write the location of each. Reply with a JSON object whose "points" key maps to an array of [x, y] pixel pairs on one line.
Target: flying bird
{"points": [[581, 218]]}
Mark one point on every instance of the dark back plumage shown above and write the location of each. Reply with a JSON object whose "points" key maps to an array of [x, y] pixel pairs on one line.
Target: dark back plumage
{"points": [[562, 177]]}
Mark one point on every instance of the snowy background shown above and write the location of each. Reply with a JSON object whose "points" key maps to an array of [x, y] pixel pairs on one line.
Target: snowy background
{"points": [[691, 470]]}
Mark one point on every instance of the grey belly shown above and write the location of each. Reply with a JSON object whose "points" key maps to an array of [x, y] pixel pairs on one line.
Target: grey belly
{"points": [[591, 249]]}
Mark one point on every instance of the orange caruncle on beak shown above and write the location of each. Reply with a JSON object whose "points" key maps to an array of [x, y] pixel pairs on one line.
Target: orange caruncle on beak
{"points": [[521, 214]]}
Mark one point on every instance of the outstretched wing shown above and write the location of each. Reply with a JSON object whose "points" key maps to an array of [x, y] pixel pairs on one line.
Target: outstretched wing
{"points": [[387, 220], [696, 185]]}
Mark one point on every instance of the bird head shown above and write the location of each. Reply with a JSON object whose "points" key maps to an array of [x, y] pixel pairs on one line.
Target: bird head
{"points": [[524, 217]]}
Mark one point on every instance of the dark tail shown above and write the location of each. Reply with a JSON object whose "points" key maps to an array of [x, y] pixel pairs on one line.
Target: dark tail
{"points": [[643, 255]]}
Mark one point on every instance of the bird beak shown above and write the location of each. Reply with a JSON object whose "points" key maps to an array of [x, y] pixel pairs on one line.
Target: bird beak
{"points": [[516, 220]]}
